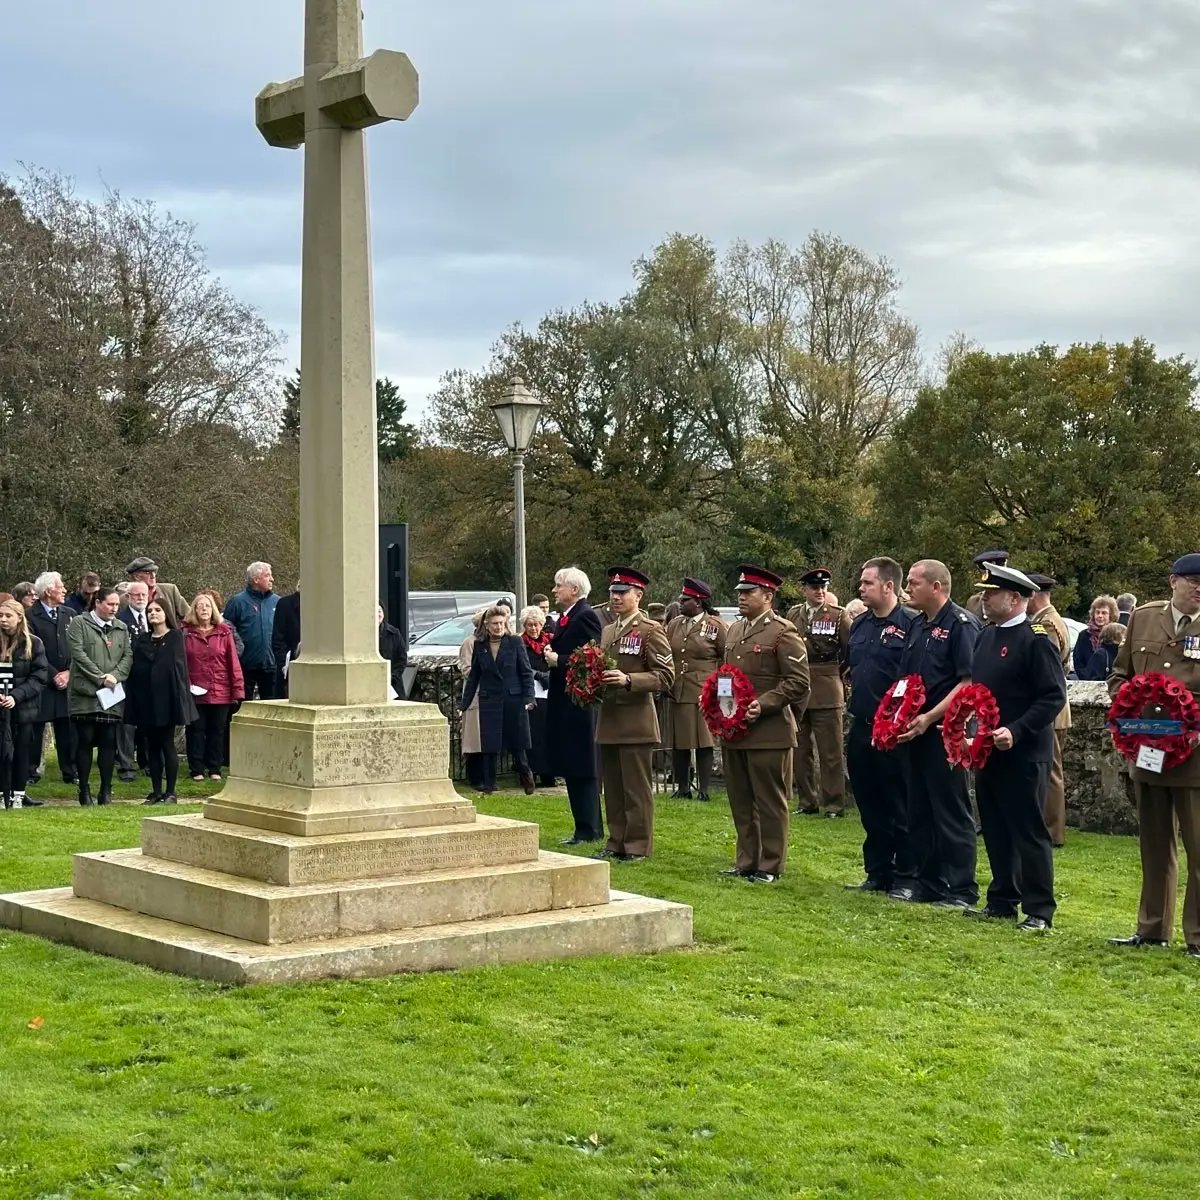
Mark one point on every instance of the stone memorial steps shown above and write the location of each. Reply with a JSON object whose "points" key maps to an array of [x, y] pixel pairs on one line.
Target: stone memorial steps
{"points": [[627, 924]]}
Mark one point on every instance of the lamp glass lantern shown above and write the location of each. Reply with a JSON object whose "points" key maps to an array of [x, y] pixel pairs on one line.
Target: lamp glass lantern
{"points": [[517, 413]]}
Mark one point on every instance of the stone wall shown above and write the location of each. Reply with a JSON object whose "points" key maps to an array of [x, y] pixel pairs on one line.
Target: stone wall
{"points": [[1098, 784]]}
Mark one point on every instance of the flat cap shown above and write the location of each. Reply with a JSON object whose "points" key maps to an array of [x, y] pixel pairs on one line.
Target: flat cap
{"points": [[1044, 582], [141, 564], [990, 556]]}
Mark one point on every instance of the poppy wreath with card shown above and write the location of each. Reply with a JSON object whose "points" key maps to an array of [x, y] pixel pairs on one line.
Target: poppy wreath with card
{"points": [[585, 674], [726, 716], [898, 706], [973, 702], [1154, 697]]}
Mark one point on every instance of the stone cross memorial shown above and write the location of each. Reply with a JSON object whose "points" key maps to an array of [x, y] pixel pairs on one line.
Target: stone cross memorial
{"points": [[338, 845]]}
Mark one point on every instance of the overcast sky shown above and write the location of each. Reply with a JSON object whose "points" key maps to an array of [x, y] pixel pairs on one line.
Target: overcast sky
{"points": [[1029, 166]]}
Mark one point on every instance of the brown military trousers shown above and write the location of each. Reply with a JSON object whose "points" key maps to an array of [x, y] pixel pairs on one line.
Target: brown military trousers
{"points": [[818, 762], [628, 797], [1158, 809], [1054, 810], [758, 786]]}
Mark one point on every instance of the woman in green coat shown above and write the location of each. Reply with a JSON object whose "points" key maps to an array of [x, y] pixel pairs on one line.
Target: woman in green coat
{"points": [[100, 658]]}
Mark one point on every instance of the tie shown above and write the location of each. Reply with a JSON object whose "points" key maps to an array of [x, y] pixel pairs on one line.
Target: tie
{"points": [[141, 622], [54, 614], [108, 629], [1184, 622]]}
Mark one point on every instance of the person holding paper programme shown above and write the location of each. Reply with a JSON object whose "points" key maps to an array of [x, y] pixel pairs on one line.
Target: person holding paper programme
{"points": [[159, 697], [216, 685], [500, 673], [1164, 636], [100, 661], [536, 639]]}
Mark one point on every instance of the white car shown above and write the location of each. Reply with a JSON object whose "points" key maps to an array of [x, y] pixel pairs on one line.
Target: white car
{"points": [[441, 643]]}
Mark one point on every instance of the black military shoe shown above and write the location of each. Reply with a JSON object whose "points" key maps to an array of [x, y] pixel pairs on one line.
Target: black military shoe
{"points": [[1192, 951], [1136, 939], [737, 872], [632, 857], [951, 902], [867, 885], [903, 893], [987, 913], [606, 853], [702, 797], [761, 877], [681, 794], [1034, 925]]}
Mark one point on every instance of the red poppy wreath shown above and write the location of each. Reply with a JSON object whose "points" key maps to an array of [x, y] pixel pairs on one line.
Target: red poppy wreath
{"points": [[725, 716], [973, 701], [585, 674], [900, 703], [1151, 700]]}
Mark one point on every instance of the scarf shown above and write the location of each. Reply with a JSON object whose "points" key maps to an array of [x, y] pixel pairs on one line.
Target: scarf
{"points": [[538, 644], [1094, 633]]}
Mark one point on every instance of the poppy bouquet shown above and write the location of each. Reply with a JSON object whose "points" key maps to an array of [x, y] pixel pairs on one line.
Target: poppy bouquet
{"points": [[1166, 699], [725, 714], [973, 702], [900, 703], [585, 672]]}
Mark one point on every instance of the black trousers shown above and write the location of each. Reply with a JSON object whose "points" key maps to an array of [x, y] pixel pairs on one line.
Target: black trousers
{"points": [[102, 737], [489, 764], [131, 749], [14, 773], [681, 769], [1009, 793], [941, 825], [583, 793], [264, 678], [206, 739], [881, 793], [64, 745], [164, 759]]}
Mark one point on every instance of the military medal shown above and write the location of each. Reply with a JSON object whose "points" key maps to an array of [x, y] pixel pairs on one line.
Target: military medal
{"points": [[1191, 646]]}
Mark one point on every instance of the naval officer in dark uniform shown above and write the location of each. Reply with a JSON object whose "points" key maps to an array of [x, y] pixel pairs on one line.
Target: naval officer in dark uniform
{"points": [[1016, 659]]}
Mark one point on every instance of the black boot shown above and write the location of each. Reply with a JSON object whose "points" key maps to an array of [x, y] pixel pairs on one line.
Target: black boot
{"points": [[85, 795], [103, 797]]}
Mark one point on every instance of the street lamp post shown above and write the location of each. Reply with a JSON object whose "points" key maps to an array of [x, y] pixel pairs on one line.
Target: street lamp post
{"points": [[517, 413]]}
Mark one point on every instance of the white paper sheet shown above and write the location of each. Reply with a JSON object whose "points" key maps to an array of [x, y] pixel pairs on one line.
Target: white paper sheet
{"points": [[110, 696]]}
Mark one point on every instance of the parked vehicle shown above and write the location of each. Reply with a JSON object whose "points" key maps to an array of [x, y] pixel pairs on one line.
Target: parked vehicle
{"points": [[443, 640], [427, 609]]}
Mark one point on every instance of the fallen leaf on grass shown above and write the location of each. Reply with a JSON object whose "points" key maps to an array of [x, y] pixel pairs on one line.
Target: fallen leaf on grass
{"points": [[37, 1023]]}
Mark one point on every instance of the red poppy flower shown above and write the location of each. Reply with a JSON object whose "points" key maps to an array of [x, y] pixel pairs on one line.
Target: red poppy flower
{"points": [[732, 727], [1169, 700], [895, 711], [585, 673], [973, 701]]}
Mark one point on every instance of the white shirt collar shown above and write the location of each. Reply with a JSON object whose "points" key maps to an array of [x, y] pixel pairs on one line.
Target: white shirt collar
{"points": [[1014, 620]]}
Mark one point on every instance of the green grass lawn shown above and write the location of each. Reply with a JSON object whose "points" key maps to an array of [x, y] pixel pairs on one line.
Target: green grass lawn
{"points": [[815, 1043]]}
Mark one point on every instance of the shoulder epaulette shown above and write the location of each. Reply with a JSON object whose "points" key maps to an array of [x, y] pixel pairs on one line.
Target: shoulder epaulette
{"points": [[1153, 604], [963, 615], [1038, 627]]}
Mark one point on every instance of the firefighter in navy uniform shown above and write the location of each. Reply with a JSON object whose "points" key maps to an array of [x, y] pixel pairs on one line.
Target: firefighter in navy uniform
{"points": [[1017, 660], [819, 765], [877, 641], [628, 732]]}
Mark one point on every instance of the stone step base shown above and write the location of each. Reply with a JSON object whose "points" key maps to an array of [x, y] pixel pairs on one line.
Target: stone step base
{"points": [[628, 924], [291, 859], [270, 913]]}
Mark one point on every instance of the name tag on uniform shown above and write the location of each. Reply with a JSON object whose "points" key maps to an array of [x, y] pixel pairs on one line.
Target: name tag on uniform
{"points": [[631, 643], [1191, 647], [824, 627], [1150, 758]]}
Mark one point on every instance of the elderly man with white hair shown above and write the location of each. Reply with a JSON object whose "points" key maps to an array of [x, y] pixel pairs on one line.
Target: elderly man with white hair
{"points": [[252, 614], [48, 619], [570, 730]]}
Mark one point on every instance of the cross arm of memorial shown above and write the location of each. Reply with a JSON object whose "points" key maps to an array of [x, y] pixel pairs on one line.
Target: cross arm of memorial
{"points": [[357, 95]]}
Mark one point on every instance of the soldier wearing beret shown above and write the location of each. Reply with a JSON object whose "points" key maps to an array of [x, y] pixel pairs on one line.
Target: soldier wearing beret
{"points": [[1016, 659], [1044, 613], [825, 628], [697, 638], [628, 729], [1164, 636], [772, 655], [974, 604]]}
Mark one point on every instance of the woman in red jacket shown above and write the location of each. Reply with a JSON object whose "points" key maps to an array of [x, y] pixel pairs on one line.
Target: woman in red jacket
{"points": [[217, 685]]}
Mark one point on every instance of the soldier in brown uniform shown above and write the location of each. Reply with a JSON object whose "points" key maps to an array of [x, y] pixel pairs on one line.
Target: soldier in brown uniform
{"points": [[697, 638], [974, 602], [825, 629], [771, 653], [1164, 636], [1054, 809], [628, 729]]}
